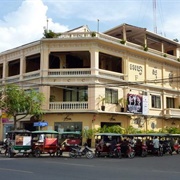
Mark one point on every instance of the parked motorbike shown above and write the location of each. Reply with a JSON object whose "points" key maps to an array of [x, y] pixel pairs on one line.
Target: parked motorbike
{"points": [[116, 152], [3, 148], [176, 148], [81, 151], [127, 151], [167, 148], [159, 152]]}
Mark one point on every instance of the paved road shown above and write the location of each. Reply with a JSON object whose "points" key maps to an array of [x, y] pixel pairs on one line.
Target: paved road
{"points": [[64, 168]]}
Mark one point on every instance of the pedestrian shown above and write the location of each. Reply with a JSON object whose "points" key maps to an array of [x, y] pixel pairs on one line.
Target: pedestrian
{"points": [[156, 144]]}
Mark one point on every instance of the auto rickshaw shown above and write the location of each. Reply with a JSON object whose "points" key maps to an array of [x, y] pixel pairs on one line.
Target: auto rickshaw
{"points": [[45, 142], [107, 144], [149, 141], [175, 142], [18, 143], [69, 139], [138, 143]]}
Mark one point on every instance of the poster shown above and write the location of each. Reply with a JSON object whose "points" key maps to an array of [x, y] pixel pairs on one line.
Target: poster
{"points": [[135, 103]]}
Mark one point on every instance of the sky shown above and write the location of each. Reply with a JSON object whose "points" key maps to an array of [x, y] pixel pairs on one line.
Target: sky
{"points": [[23, 21]]}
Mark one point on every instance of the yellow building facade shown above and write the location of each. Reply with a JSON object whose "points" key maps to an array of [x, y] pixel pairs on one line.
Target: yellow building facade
{"points": [[80, 71]]}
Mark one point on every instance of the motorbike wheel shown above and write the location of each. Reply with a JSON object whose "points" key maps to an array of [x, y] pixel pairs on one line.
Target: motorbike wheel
{"points": [[131, 155], [89, 154], [170, 152], [160, 153], [59, 153], [144, 154], [72, 154], [37, 153], [118, 154], [10, 154], [97, 154]]}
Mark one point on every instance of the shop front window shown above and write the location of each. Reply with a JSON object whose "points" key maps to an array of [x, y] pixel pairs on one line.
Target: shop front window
{"points": [[68, 126]]}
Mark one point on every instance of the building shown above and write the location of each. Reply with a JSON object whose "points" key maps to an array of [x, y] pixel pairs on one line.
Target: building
{"points": [[80, 71]]}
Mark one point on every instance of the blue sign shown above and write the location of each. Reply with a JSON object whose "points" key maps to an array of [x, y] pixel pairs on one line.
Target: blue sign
{"points": [[41, 124]]}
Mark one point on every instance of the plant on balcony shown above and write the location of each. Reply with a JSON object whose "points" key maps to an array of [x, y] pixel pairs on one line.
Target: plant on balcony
{"points": [[178, 59], [52, 98], [93, 34], [123, 103], [145, 48], [165, 55], [102, 100], [122, 41]]}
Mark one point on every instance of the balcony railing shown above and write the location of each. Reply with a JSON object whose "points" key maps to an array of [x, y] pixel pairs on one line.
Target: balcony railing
{"points": [[64, 106], [69, 72], [172, 112]]}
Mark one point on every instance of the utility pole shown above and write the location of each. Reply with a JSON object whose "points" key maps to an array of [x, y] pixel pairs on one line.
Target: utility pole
{"points": [[154, 16], [97, 25], [47, 25]]}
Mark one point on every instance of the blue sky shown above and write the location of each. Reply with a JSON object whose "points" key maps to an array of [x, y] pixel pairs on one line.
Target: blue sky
{"points": [[23, 21]]}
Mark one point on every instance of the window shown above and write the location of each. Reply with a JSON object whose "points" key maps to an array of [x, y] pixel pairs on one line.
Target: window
{"points": [[155, 101], [73, 94], [170, 102], [111, 96], [68, 126]]}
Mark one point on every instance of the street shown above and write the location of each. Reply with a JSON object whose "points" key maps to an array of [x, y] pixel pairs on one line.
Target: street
{"points": [[65, 168]]}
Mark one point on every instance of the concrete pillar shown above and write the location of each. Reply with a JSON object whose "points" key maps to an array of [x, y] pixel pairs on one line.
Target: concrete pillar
{"points": [[94, 61]]}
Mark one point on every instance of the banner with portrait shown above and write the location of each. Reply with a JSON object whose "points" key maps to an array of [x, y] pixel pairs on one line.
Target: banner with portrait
{"points": [[135, 103]]}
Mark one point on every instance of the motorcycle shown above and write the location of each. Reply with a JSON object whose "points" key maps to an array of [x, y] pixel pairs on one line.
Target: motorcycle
{"points": [[167, 148], [177, 148], [81, 151], [4, 148], [127, 151], [116, 152]]}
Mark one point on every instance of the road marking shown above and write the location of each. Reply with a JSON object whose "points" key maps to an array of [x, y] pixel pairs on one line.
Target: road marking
{"points": [[72, 164], [15, 170], [161, 171], [6, 159]]}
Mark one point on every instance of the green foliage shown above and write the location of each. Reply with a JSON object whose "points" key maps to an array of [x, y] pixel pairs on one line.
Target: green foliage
{"points": [[102, 99], [122, 41], [145, 48], [18, 102], [173, 130], [111, 129], [131, 130], [122, 102], [165, 55], [88, 133], [50, 34], [176, 40], [93, 34]]}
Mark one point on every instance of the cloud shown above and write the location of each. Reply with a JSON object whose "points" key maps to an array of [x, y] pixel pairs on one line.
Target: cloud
{"points": [[26, 24]]}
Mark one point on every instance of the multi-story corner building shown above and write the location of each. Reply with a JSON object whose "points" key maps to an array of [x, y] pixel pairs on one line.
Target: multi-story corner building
{"points": [[80, 71]]}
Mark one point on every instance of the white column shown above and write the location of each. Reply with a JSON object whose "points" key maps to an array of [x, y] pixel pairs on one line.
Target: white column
{"points": [[94, 62]]}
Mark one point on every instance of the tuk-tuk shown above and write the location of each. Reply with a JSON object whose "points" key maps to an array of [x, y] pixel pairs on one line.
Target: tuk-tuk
{"points": [[138, 143], [175, 142], [162, 143], [107, 144], [69, 139], [18, 143], [45, 142]]}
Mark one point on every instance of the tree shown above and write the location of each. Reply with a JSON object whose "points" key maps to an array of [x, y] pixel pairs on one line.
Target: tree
{"points": [[50, 34], [18, 103]]}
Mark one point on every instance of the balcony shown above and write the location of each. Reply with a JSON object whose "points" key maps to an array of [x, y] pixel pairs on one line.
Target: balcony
{"points": [[172, 113], [68, 106], [87, 35]]}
